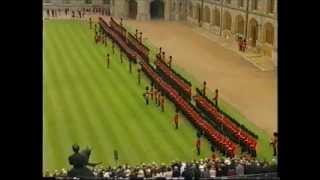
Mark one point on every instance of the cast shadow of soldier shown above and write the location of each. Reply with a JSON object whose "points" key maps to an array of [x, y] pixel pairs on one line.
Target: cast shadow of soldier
{"points": [[80, 161]]}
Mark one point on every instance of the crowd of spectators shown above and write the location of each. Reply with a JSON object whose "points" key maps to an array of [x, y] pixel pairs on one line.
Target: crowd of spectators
{"points": [[207, 168]]}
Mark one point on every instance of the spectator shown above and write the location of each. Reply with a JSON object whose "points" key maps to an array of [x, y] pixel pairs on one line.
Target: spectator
{"points": [[212, 172], [240, 169]]}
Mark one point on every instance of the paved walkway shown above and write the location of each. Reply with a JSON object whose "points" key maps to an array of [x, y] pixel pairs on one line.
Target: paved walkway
{"points": [[264, 63]]}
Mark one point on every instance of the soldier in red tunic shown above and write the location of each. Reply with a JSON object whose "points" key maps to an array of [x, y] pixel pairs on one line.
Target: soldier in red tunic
{"points": [[215, 99], [240, 43], [163, 56], [204, 88], [155, 95], [151, 92], [198, 145], [159, 97], [162, 103], [108, 60], [176, 120], [244, 45], [139, 77], [170, 61]]}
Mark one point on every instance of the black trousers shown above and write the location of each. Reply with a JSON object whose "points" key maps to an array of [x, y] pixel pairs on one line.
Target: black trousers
{"points": [[274, 151], [198, 151], [177, 125]]}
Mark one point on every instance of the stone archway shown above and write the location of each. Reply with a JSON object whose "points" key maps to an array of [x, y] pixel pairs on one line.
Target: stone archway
{"points": [[216, 17], [239, 25], [207, 14], [190, 10], [227, 21], [157, 9], [253, 24], [133, 8], [269, 33]]}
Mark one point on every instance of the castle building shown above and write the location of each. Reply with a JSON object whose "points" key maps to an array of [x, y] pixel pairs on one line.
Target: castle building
{"points": [[254, 20]]}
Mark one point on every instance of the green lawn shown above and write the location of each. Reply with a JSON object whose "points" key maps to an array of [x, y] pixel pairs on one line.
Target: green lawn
{"points": [[264, 150], [88, 104]]}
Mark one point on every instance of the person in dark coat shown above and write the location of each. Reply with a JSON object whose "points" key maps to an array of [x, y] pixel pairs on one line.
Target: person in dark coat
{"points": [[76, 159], [79, 162], [86, 153], [188, 173]]}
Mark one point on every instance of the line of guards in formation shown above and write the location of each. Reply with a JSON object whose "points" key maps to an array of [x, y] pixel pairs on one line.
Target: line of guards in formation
{"points": [[55, 12], [118, 34]]}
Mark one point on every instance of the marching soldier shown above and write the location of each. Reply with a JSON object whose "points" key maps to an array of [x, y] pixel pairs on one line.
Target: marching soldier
{"points": [[170, 61], [244, 45], [215, 99], [136, 34], [204, 88], [146, 95], [151, 92], [156, 95], [90, 22], [198, 145], [130, 66], [176, 120], [139, 79], [162, 103], [121, 56], [163, 56], [159, 97], [108, 60], [112, 47], [95, 27]]}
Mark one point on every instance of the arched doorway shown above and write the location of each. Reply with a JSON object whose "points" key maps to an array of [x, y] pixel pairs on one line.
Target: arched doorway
{"points": [[269, 33], [240, 25], [253, 32], [216, 17], [190, 10], [196, 12], [227, 21], [207, 15], [133, 9], [157, 9]]}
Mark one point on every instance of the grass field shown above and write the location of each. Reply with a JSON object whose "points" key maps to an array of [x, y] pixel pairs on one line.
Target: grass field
{"points": [[88, 104]]}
